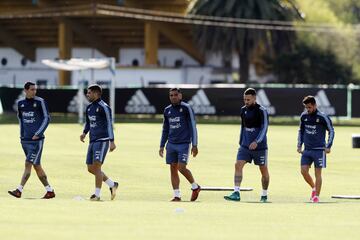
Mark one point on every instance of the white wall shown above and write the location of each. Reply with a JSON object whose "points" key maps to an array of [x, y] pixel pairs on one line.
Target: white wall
{"points": [[166, 57], [189, 73]]}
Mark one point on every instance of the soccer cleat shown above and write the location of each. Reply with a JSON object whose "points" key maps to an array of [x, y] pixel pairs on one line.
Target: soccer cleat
{"points": [[195, 193], [113, 190], [94, 198], [313, 194], [315, 199], [263, 199], [176, 199], [16, 193], [235, 196], [49, 195]]}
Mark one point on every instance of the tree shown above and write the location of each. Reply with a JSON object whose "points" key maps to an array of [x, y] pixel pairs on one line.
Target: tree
{"points": [[344, 41], [243, 41], [310, 65], [346, 10]]}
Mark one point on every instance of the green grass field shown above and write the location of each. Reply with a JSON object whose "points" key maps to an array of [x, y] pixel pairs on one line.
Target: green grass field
{"points": [[142, 209]]}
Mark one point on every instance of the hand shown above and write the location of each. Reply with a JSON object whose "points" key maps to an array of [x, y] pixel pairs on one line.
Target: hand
{"points": [[299, 150], [161, 152], [112, 146], [327, 150], [253, 145], [35, 137], [194, 151], [82, 137]]}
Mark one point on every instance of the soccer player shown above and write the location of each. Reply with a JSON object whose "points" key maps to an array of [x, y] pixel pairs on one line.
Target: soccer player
{"points": [[98, 122], [253, 144], [313, 127], [34, 118], [179, 130]]}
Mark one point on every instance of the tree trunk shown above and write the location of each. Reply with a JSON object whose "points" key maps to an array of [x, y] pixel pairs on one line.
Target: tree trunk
{"points": [[244, 66]]}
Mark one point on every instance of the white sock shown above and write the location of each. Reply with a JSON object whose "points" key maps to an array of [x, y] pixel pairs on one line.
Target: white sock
{"points": [[194, 185], [97, 192], [20, 188], [264, 192], [109, 182], [48, 188], [314, 189], [177, 193], [237, 189]]}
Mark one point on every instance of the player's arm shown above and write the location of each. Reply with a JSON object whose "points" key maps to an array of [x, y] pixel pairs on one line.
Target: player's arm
{"points": [[330, 128], [164, 135], [45, 122], [242, 131], [19, 116], [300, 139], [86, 126], [263, 128], [193, 131], [108, 116]]}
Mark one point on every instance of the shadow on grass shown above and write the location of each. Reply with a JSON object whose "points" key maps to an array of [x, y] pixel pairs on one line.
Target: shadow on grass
{"points": [[320, 203], [257, 202]]}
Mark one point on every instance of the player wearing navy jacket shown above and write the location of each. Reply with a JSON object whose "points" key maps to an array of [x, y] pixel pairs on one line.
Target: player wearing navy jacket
{"points": [[99, 124], [178, 132], [253, 144], [33, 118], [313, 127]]}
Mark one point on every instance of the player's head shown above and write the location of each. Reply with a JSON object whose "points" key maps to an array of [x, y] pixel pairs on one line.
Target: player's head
{"points": [[175, 96], [30, 89], [249, 97], [309, 104], [94, 92]]}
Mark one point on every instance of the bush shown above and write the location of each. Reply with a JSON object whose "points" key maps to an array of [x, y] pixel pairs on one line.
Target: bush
{"points": [[310, 65]]}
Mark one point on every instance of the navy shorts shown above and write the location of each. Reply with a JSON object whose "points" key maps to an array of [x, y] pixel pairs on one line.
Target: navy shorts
{"points": [[97, 152], [318, 157], [33, 151], [260, 157], [177, 153]]}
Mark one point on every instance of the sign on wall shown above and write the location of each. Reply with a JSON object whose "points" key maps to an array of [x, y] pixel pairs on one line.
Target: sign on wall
{"points": [[204, 101]]}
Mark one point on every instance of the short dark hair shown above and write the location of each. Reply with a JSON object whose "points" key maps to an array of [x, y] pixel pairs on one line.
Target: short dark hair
{"points": [[28, 84], [95, 88], [250, 91], [309, 99], [175, 89]]}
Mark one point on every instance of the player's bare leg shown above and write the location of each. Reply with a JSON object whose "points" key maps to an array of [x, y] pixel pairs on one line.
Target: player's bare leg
{"points": [[238, 176], [98, 174], [43, 179], [27, 172], [318, 181], [26, 175], [113, 186], [305, 173], [188, 175], [265, 179], [91, 170], [175, 181], [41, 175], [95, 169], [186, 172]]}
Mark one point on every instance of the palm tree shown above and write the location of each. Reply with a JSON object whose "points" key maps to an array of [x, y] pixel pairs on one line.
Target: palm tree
{"points": [[243, 41]]}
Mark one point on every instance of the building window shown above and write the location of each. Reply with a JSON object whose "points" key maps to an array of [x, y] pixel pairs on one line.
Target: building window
{"points": [[4, 61]]}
